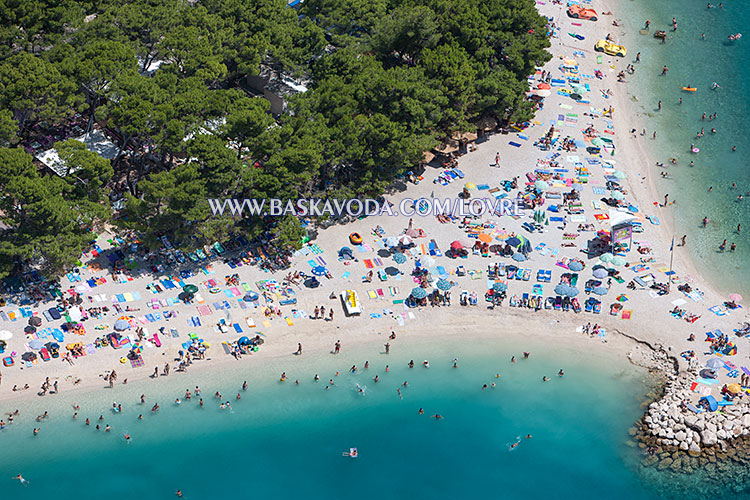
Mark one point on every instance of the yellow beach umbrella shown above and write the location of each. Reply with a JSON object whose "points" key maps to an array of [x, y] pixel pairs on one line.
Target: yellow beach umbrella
{"points": [[470, 185], [734, 388]]}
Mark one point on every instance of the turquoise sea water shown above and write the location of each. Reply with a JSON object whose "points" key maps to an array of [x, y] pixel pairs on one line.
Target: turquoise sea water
{"points": [[697, 62], [284, 441]]}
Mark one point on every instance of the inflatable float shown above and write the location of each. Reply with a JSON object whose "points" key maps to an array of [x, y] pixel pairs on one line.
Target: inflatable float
{"points": [[689, 89], [355, 238]]}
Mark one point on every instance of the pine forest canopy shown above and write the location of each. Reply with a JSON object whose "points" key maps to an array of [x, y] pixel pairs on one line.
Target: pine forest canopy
{"points": [[387, 80]]}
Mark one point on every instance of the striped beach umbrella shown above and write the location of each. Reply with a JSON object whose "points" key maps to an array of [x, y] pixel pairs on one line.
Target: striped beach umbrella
{"points": [[419, 293], [399, 258], [443, 284]]}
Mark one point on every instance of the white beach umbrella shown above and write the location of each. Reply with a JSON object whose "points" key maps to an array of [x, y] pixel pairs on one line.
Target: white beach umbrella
{"points": [[5, 335]]}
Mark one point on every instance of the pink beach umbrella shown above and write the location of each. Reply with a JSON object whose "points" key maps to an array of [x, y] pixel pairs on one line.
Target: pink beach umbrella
{"points": [[735, 297]]}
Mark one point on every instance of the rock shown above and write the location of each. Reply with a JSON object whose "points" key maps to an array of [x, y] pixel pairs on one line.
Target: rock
{"points": [[694, 449], [708, 437], [690, 420], [680, 436], [711, 427], [649, 461], [665, 463], [676, 464], [728, 425], [632, 431], [746, 420], [721, 434], [684, 446]]}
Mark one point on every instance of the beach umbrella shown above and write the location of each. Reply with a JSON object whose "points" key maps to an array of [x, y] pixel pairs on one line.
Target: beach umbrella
{"points": [[28, 356], [714, 363], [457, 245], [617, 195], [735, 297], [405, 239], [81, 288], [572, 291], [600, 290], [346, 251], [311, 282], [412, 232], [485, 238], [419, 293], [443, 284], [544, 86], [597, 141], [29, 329], [514, 241], [707, 373], [600, 273], [541, 185], [52, 345], [617, 261], [391, 271], [428, 261], [121, 325], [190, 288], [561, 289], [576, 266], [470, 185], [579, 89], [37, 321], [619, 174], [543, 92], [185, 296], [251, 297], [734, 388], [500, 287], [36, 344], [606, 257], [5, 335], [623, 298], [519, 257], [319, 271], [399, 258], [391, 241]]}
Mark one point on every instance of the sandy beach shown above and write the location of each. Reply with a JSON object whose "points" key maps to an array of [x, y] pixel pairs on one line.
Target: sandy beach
{"points": [[650, 320]]}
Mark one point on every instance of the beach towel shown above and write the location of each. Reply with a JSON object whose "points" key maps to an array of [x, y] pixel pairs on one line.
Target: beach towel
{"points": [[204, 310], [368, 264], [346, 275], [514, 144], [137, 361], [267, 323], [288, 321], [237, 328], [627, 314]]}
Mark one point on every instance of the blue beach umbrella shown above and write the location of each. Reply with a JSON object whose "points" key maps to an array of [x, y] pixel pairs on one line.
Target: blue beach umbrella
{"points": [[561, 289], [600, 290], [519, 257], [601, 273], [121, 325], [391, 241], [576, 266], [419, 293], [443, 284], [514, 241], [250, 297], [500, 287], [391, 271], [399, 258], [572, 291], [714, 363], [319, 271]]}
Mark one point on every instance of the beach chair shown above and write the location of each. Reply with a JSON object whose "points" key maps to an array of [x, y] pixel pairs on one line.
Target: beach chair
{"points": [[558, 303]]}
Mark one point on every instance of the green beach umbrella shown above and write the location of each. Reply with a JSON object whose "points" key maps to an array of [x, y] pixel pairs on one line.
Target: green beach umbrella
{"points": [[617, 261], [190, 288], [617, 195], [596, 141], [619, 174], [579, 89], [606, 257], [541, 186]]}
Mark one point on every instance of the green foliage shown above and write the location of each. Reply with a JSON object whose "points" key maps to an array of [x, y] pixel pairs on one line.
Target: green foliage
{"points": [[387, 80], [48, 217]]}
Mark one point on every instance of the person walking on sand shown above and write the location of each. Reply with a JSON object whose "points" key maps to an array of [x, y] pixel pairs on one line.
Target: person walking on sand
{"points": [[682, 243], [299, 349], [387, 347], [337, 347], [659, 105], [497, 159], [666, 200]]}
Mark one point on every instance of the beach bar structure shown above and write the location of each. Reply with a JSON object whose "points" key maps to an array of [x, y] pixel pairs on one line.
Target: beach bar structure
{"points": [[621, 230]]}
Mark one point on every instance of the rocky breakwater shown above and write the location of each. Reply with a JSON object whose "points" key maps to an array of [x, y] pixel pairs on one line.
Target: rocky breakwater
{"points": [[676, 438]]}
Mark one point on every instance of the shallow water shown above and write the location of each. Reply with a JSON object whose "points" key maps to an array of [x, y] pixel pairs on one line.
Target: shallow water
{"points": [[283, 440], [699, 63]]}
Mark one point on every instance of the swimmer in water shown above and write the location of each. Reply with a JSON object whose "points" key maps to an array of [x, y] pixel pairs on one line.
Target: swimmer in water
{"points": [[437, 416], [399, 393], [528, 436], [545, 378], [316, 377], [22, 480], [376, 379], [127, 438], [421, 411], [178, 493], [560, 373]]}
